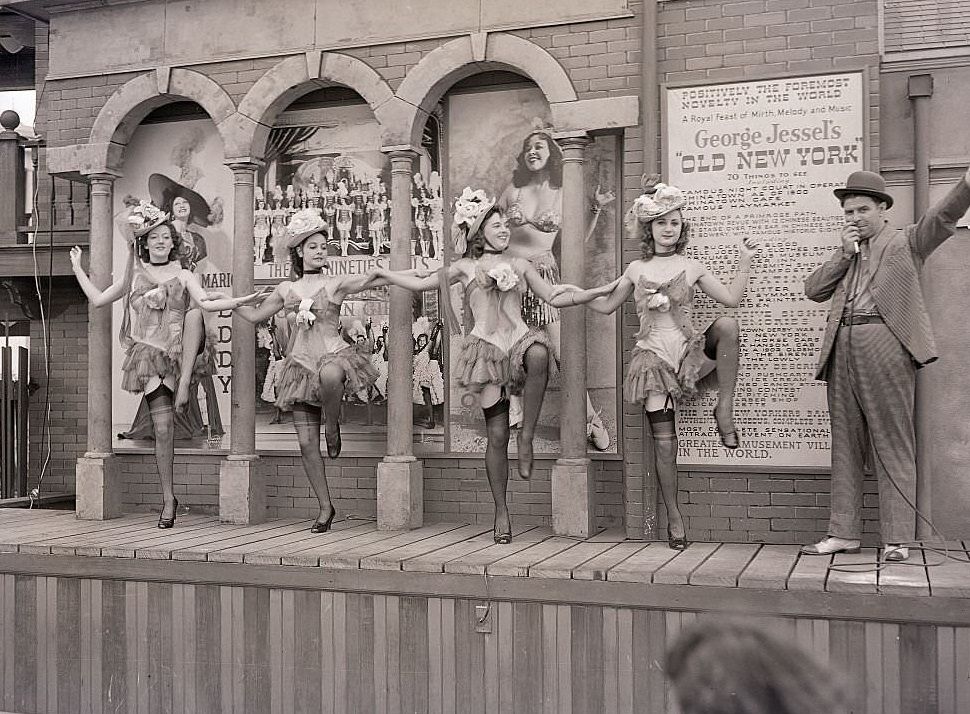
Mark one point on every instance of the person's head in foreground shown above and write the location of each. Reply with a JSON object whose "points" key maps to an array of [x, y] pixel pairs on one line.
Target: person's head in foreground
{"points": [[735, 668]]}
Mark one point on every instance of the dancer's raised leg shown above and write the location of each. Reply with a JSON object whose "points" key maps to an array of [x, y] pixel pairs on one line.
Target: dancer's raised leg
{"points": [[193, 336], [331, 395], [722, 344], [536, 360]]}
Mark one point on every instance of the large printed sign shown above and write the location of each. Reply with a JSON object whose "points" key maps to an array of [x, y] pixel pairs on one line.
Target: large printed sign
{"points": [[761, 159]]}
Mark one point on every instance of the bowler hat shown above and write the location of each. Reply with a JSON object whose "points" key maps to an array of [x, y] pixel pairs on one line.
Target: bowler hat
{"points": [[865, 183]]}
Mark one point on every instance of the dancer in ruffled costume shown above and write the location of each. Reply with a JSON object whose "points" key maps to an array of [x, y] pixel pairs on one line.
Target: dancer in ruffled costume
{"points": [[502, 355], [320, 367], [671, 359], [533, 204], [428, 387], [162, 331]]}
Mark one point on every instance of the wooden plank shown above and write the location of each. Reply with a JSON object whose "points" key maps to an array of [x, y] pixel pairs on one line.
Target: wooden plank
{"points": [[946, 672], [770, 568], [90, 545], [611, 661], [477, 562], [518, 564], [641, 566], [272, 551], [917, 668], [235, 549], [961, 661], [448, 657], [178, 538], [626, 665], [524, 661], [504, 648], [125, 546], [550, 649], [380, 655], [350, 556], [610, 535], [392, 559], [905, 578], [678, 570], [562, 564], [310, 556], [564, 634], [435, 646], [810, 573], [340, 651], [597, 567], [328, 669], [890, 669], [952, 577], [239, 536], [11, 542], [434, 562], [858, 575], [725, 566]]}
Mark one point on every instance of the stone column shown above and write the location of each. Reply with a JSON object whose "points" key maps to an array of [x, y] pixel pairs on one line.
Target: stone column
{"points": [[242, 491], [98, 483], [572, 481], [400, 496]]}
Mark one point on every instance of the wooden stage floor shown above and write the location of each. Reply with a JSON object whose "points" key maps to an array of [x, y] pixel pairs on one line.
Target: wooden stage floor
{"points": [[357, 556]]}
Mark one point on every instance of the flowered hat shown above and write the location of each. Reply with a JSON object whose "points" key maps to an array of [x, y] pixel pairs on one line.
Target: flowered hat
{"points": [[145, 216], [302, 225], [658, 199], [469, 211]]}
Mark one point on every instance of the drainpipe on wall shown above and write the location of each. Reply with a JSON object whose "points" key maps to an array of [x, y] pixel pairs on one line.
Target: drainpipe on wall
{"points": [[920, 90]]}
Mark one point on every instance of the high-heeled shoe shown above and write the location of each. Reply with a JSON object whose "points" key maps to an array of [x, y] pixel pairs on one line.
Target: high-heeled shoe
{"points": [[679, 543], [333, 443], [168, 522], [502, 537], [323, 526], [729, 439]]}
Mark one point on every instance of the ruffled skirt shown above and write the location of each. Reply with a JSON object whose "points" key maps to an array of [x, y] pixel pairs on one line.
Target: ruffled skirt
{"points": [[650, 372], [296, 383], [144, 362], [480, 363]]}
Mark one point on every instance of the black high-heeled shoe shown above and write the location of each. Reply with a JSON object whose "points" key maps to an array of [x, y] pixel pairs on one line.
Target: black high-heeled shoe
{"points": [[502, 537], [168, 522], [323, 526], [679, 543], [333, 443]]}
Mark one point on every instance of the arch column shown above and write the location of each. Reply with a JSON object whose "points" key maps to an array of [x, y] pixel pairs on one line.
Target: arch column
{"points": [[97, 479], [242, 491], [400, 495], [572, 479]]}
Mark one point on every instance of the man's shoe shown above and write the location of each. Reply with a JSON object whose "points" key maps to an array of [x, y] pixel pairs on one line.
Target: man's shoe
{"points": [[895, 553], [831, 545]]}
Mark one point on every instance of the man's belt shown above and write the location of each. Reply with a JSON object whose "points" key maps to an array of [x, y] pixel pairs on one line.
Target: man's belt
{"points": [[859, 320]]}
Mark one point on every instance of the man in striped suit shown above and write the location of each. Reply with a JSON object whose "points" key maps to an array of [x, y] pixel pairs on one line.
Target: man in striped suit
{"points": [[877, 335]]}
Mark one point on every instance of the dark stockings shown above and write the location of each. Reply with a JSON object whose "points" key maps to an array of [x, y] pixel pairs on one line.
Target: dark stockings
{"points": [[536, 361], [306, 421], [163, 423], [665, 455], [722, 344], [497, 460]]}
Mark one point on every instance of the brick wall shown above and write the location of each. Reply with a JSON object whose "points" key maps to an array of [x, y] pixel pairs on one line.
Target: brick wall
{"points": [[59, 439]]}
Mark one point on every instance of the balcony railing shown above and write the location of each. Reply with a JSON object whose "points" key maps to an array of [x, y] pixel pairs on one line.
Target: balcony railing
{"points": [[41, 216]]}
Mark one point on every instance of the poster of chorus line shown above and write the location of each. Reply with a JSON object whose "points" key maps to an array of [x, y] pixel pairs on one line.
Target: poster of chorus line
{"points": [[761, 158]]}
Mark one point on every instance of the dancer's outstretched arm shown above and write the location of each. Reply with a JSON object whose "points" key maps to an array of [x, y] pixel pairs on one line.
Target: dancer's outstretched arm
{"points": [[266, 309], [199, 294], [731, 296], [410, 280], [96, 296], [564, 295]]}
